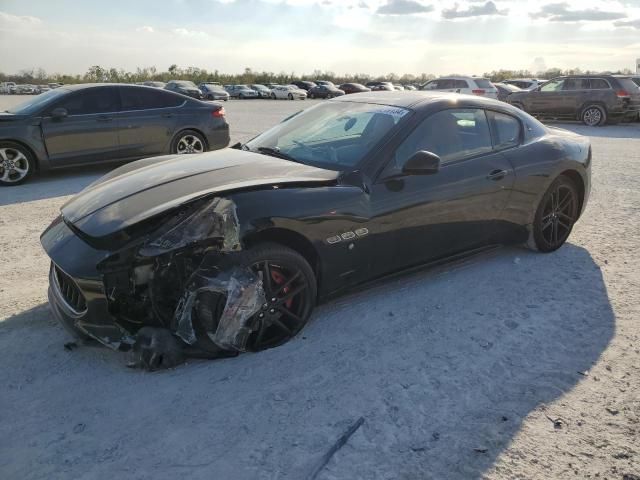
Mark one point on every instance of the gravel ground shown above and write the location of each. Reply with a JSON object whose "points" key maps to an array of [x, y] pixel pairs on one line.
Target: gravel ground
{"points": [[511, 365]]}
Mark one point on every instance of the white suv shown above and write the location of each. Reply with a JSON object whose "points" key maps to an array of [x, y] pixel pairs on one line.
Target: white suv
{"points": [[468, 85], [525, 83]]}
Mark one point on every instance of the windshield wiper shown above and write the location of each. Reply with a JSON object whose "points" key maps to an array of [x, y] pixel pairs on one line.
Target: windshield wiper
{"points": [[275, 152]]}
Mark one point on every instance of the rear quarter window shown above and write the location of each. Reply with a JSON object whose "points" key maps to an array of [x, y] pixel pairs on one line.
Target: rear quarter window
{"points": [[598, 84]]}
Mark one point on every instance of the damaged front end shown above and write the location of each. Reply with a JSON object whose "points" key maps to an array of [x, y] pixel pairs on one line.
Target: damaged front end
{"points": [[181, 274]]}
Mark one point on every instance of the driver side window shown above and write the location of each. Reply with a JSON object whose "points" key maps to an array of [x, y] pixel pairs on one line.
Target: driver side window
{"points": [[451, 134], [553, 86]]}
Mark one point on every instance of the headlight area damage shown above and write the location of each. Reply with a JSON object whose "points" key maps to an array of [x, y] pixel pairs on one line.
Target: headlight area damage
{"points": [[183, 289]]}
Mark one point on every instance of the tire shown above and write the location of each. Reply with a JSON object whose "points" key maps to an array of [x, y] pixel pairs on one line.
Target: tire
{"points": [[16, 164], [593, 115], [187, 142], [311, 96], [555, 216], [278, 320], [290, 96], [273, 96], [241, 97]]}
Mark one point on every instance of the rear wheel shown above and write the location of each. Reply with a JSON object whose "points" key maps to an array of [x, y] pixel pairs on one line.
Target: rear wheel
{"points": [[593, 115], [188, 141], [555, 216], [16, 164]]}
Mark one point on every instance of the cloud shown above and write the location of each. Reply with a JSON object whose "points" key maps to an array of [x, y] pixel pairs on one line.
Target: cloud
{"points": [[189, 33], [15, 20], [488, 8], [403, 7], [628, 23], [145, 28], [559, 12]]}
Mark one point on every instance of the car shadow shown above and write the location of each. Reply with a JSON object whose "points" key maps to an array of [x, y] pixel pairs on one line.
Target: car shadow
{"points": [[57, 183], [625, 130], [443, 366]]}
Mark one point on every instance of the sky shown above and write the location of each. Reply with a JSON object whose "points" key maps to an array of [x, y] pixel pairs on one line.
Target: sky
{"points": [[375, 37]]}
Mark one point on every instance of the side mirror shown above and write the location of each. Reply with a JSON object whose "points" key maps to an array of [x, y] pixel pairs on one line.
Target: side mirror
{"points": [[422, 163], [58, 113]]}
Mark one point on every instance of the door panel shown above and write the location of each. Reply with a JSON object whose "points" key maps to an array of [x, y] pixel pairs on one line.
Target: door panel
{"points": [[455, 209], [90, 131], [147, 121]]}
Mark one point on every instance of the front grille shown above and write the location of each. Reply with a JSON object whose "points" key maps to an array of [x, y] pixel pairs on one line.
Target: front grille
{"points": [[69, 291]]}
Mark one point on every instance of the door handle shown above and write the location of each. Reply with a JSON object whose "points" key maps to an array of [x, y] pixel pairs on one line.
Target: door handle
{"points": [[497, 175], [167, 115], [104, 118]]}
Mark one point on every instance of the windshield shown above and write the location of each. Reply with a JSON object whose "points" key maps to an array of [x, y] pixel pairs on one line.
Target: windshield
{"points": [[330, 135], [33, 105]]}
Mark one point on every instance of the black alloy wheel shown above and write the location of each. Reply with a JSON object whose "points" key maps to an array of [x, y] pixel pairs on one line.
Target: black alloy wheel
{"points": [[556, 215], [290, 294], [290, 291]]}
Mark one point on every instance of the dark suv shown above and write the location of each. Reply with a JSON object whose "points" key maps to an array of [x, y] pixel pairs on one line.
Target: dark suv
{"points": [[594, 99]]}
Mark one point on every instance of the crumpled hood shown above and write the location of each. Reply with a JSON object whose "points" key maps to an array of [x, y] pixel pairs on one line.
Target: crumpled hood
{"points": [[143, 189]]}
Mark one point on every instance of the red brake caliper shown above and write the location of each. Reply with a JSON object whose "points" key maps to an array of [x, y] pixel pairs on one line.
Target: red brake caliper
{"points": [[278, 278]]}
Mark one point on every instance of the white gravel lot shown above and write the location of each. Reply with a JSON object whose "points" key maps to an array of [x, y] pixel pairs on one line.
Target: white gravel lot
{"points": [[513, 365]]}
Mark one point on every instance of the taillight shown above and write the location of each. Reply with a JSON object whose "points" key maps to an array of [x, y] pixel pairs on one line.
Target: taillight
{"points": [[219, 113], [622, 94], [478, 92]]}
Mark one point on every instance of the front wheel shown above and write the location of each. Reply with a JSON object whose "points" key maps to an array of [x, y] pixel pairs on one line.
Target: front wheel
{"points": [[594, 115], [290, 293], [188, 141], [290, 96], [16, 164], [273, 96], [555, 216]]}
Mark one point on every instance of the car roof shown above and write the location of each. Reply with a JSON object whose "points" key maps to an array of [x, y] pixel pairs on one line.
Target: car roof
{"points": [[417, 99]]}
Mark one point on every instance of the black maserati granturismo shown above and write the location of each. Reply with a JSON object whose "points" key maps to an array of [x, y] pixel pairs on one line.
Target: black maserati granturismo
{"points": [[230, 251]]}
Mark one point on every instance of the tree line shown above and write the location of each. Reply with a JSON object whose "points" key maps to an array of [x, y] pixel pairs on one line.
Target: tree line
{"points": [[98, 73]]}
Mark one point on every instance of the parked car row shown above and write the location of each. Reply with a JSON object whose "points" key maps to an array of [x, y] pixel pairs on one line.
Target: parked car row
{"points": [[11, 88]]}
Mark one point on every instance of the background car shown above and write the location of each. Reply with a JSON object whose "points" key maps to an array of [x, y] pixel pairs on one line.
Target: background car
{"points": [[398, 87], [410, 87], [380, 86], [99, 123], [326, 83], [524, 83], [184, 87], [304, 84], [25, 89], [42, 88], [213, 91], [353, 88], [289, 92], [412, 180], [263, 90], [241, 92], [505, 89], [466, 85], [593, 99], [324, 91], [5, 87], [155, 84]]}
